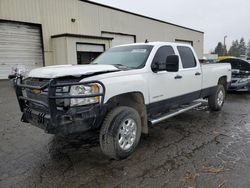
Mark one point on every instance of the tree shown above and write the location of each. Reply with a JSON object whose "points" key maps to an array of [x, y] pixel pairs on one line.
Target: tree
{"points": [[234, 49], [220, 49], [248, 49], [242, 47]]}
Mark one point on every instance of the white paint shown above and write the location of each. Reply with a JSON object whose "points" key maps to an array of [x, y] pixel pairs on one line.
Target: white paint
{"points": [[69, 70], [160, 86], [153, 86]]}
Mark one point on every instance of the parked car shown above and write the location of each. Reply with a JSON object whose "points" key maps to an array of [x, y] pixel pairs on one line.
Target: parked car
{"points": [[121, 93], [240, 74]]}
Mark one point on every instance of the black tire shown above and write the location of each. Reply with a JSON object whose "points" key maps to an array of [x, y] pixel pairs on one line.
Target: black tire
{"points": [[214, 103], [110, 135]]}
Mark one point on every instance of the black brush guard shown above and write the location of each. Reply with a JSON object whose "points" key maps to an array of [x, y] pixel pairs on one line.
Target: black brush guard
{"points": [[54, 121]]}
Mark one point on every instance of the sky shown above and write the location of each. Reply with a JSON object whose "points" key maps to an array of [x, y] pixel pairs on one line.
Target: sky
{"points": [[216, 18]]}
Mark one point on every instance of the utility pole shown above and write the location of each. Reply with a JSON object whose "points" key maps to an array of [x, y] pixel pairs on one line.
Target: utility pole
{"points": [[225, 45]]}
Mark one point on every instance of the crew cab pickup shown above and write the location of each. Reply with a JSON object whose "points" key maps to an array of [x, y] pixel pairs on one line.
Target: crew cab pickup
{"points": [[121, 93]]}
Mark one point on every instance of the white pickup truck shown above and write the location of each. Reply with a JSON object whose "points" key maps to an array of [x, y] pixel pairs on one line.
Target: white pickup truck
{"points": [[121, 93]]}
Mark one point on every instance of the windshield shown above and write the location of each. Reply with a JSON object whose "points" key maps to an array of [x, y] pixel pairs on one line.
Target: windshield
{"points": [[133, 57]]}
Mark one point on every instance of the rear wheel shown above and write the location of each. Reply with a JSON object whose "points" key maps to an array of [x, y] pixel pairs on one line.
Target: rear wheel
{"points": [[216, 101], [120, 132]]}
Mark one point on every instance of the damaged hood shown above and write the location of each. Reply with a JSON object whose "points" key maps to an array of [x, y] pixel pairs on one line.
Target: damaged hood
{"points": [[240, 68], [70, 70], [238, 65]]}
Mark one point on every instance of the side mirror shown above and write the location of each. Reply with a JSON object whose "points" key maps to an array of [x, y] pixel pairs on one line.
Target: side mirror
{"points": [[156, 67], [172, 63], [12, 76]]}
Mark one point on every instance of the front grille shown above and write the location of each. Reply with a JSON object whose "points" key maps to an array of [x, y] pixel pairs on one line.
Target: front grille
{"points": [[34, 94], [241, 75], [42, 96], [36, 81]]}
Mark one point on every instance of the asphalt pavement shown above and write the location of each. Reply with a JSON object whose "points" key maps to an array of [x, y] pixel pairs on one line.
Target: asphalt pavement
{"points": [[195, 149]]}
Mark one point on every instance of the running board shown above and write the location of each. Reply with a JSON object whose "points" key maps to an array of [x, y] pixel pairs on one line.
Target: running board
{"points": [[176, 112]]}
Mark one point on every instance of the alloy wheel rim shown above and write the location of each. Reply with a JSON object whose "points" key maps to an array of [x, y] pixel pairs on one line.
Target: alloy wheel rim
{"points": [[127, 134], [220, 98]]}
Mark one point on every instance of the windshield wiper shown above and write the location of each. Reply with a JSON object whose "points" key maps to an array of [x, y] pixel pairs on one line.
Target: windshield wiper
{"points": [[121, 66]]}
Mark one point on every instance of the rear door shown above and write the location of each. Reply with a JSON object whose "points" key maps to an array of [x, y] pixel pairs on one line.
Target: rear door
{"points": [[190, 73]]}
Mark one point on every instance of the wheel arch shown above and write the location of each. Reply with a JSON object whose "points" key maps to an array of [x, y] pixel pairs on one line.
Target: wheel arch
{"points": [[132, 99], [223, 81]]}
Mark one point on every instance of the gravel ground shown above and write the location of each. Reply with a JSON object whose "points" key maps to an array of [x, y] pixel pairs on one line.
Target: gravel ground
{"points": [[194, 149]]}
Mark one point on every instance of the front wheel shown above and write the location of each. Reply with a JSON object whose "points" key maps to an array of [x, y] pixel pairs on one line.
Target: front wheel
{"points": [[120, 132], [216, 101]]}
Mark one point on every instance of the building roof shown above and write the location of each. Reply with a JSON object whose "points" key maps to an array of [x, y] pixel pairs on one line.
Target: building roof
{"points": [[80, 36], [140, 15]]}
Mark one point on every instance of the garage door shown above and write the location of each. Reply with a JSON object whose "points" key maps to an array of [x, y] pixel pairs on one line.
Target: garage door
{"points": [[184, 41], [88, 52], [20, 46], [119, 39]]}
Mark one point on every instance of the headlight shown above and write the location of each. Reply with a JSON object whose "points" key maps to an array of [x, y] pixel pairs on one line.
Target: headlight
{"points": [[81, 90]]}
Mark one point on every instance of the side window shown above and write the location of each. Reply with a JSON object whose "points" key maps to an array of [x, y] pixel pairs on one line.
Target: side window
{"points": [[187, 57], [161, 55]]}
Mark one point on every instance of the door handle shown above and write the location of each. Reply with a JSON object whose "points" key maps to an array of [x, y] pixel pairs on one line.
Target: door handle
{"points": [[197, 74], [178, 77]]}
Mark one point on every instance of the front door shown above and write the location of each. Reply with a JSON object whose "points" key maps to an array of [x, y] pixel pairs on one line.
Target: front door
{"points": [[172, 89], [164, 86]]}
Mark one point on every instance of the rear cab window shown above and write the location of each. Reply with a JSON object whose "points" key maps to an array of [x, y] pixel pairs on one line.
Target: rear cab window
{"points": [[187, 57]]}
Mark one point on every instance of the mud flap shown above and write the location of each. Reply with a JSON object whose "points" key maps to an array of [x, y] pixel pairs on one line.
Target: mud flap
{"points": [[24, 118]]}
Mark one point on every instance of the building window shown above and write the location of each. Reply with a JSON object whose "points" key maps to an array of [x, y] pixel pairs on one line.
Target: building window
{"points": [[86, 53]]}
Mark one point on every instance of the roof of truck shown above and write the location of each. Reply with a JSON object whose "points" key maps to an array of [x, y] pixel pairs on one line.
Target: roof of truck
{"points": [[157, 43]]}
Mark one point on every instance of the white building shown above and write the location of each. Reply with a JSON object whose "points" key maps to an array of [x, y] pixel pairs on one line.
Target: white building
{"points": [[35, 33]]}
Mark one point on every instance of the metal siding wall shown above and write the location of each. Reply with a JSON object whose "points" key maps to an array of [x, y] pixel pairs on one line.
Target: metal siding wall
{"points": [[19, 45], [119, 39], [59, 50], [112, 20], [55, 17]]}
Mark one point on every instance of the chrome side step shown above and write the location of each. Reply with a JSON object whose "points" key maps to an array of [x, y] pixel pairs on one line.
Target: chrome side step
{"points": [[176, 112]]}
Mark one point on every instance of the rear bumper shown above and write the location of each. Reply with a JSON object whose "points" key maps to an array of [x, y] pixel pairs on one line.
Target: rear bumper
{"points": [[55, 121]]}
